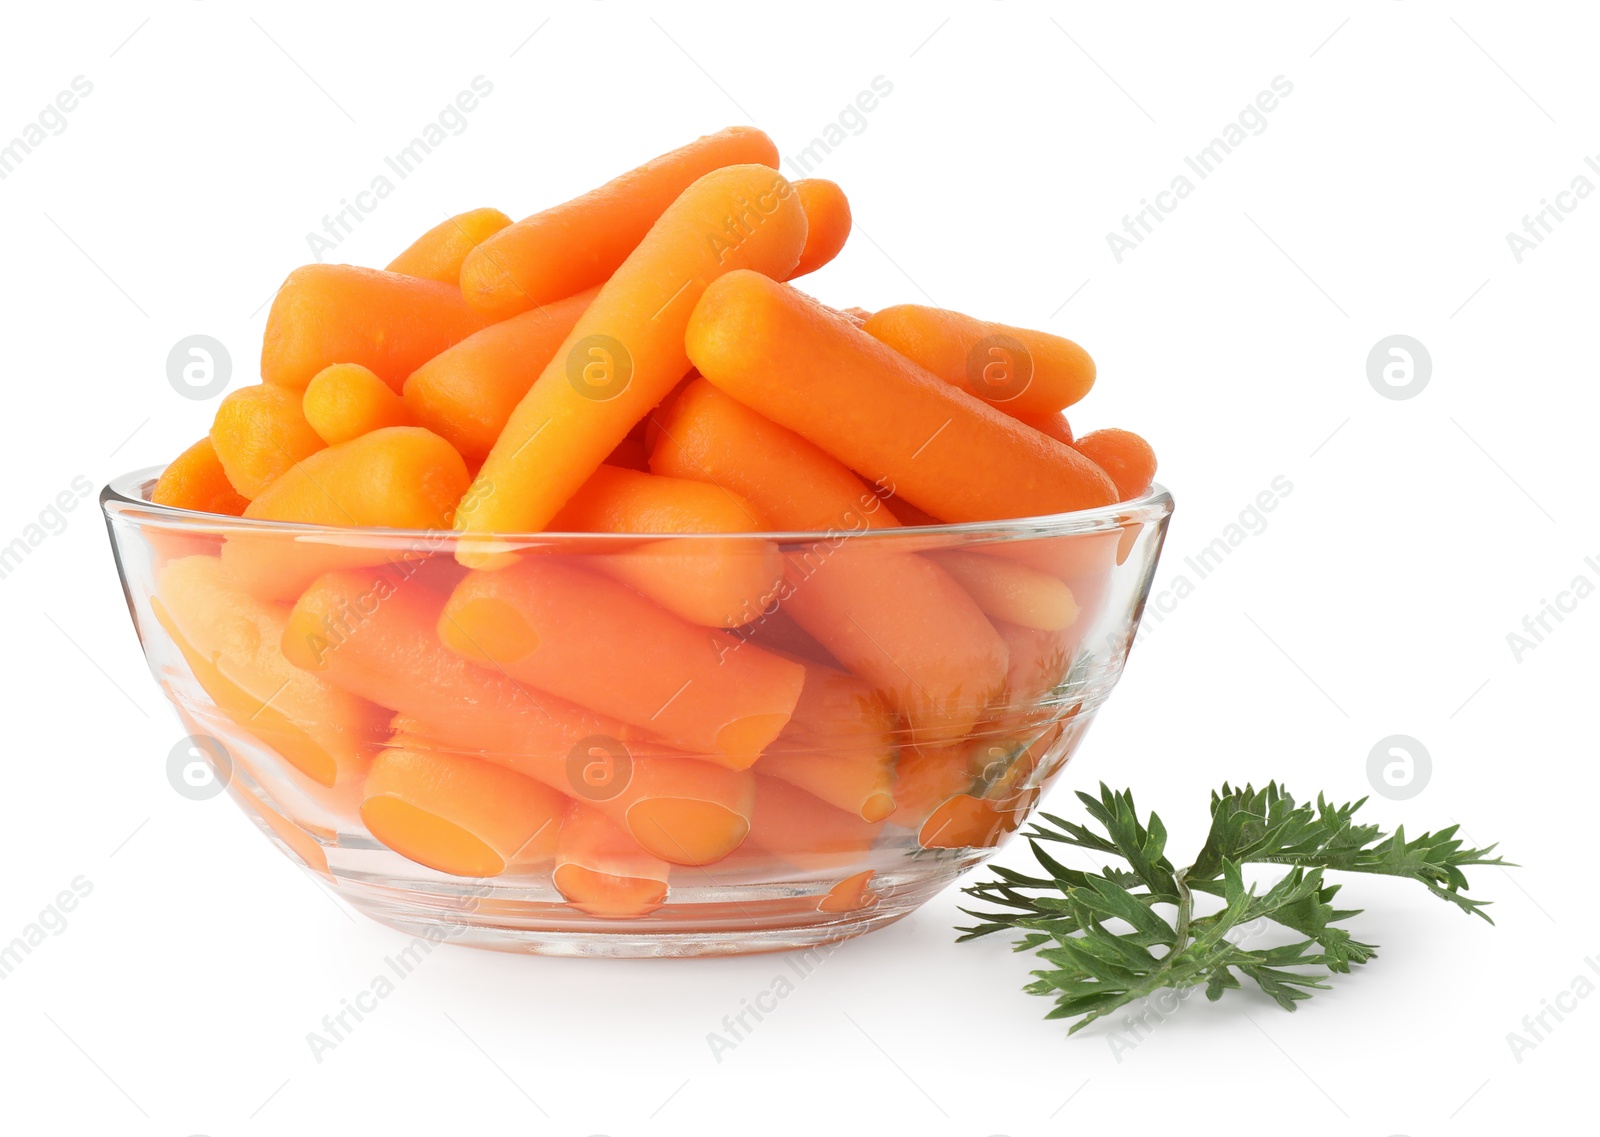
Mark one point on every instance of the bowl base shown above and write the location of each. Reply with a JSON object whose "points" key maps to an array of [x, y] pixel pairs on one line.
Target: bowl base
{"points": [[709, 921], [636, 945]]}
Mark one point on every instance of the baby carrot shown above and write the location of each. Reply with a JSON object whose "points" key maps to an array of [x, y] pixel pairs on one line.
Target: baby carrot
{"points": [[1039, 660], [343, 314], [895, 619], [603, 871], [839, 745], [403, 477], [1021, 371], [345, 400], [786, 357], [717, 584], [601, 645], [196, 480], [372, 632], [286, 761], [1008, 590], [258, 433], [850, 895], [936, 796], [707, 435], [438, 253], [627, 350], [231, 641], [1124, 456], [580, 243], [459, 815], [399, 477], [680, 809], [467, 392], [626, 501], [967, 822], [827, 223], [1055, 426], [713, 582], [903, 624], [806, 831], [925, 778]]}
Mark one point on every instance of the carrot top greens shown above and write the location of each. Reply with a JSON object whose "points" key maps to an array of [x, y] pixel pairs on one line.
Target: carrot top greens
{"points": [[1107, 941]]}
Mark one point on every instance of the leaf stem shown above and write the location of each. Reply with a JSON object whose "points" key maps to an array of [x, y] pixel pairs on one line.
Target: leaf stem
{"points": [[1185, 911]]}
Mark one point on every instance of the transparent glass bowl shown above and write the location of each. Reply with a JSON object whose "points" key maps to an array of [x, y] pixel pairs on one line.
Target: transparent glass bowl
{"points": [[559, 754]]}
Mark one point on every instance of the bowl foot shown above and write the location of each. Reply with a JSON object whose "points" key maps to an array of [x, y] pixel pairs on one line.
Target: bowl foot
{"points": [[712, 921]]}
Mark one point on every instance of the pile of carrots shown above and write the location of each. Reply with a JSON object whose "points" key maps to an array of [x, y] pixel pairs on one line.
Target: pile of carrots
{"points": [[612, 712]]}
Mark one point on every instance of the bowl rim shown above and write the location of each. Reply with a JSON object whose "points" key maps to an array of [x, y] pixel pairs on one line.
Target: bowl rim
{"points": [[126, 498]]}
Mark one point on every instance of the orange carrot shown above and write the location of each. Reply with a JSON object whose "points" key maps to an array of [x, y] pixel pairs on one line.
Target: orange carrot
{"points": [[1124, 456], [1007, 590], [706, 435], [925, 778], [196, 480], [438, 253], [680, 809], [967, 822], [1022, 371], [1054, 426], [901, 622], [627, 350], [806, 831], [231, 642], [895, 619], [389, 323], [459, 815], [718, 584], [1039, 660], [466, 393], [715, 583], [580, 243], [258, 433], [599, 644], [603, 871], [372, 632], [345, 400], [938, 796], [827, 223], [851, 894], [403, 477], [625, 501], [790, 359], [399, 477], [839, 745]]}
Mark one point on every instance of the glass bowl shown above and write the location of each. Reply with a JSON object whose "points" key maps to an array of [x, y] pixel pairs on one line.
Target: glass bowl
{"points": [[617, 745]]}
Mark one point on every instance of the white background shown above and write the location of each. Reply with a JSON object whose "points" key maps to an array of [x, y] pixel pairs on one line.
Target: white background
{"points": [[1377, 600]]}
